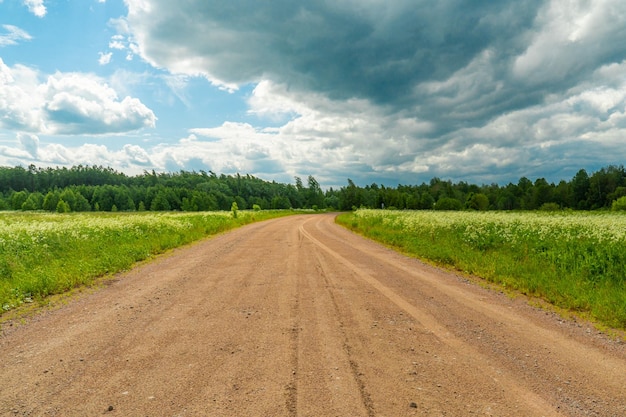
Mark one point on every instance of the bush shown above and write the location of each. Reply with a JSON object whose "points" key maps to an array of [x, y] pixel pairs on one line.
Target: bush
{"points": [[447, 203], [477, 201], [550, 207], [234, 208], [63, 207], [619, 204]]}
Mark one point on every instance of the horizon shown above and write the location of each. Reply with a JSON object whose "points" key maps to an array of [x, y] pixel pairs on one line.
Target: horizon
{"points": [[322, 186]]}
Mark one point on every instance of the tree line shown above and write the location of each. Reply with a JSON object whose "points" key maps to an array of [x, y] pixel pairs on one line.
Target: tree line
{"points": [[97, 188], [597, 191]]}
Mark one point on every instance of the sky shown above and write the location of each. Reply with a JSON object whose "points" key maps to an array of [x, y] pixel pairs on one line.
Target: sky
{"points": [[376, 91]]}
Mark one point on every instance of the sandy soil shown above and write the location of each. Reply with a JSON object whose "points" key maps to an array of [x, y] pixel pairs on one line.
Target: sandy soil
{"points": [[299, 317]]}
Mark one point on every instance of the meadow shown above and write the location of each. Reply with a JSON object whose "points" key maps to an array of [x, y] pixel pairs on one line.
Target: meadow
{"points": [[573, 260], [42, 254]]}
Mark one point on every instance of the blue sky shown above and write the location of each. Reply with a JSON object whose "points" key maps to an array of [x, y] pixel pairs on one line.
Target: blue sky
{"points": [[378, 91]]}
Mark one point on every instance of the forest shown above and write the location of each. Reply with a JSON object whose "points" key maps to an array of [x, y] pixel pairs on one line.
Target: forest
{"points": [[97, 188]]}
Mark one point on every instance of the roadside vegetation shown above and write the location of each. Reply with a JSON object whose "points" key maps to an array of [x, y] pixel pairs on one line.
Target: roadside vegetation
{"points": [[573, 260], [42, 254]]}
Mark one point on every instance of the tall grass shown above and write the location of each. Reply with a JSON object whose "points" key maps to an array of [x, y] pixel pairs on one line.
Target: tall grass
{"points": [[576, 261], [43, 254]]}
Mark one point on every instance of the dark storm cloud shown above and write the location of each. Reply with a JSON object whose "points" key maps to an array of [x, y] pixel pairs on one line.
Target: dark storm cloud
{"points": [[482, 89], [491, 57], [372, 49]]}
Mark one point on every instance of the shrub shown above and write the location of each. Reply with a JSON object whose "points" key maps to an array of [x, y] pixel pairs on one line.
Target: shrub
{"points": [[234, 208], [619, 204], [550, 207], [448, 203]]}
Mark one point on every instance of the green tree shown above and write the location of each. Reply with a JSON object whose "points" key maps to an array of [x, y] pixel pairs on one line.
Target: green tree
{"points": [[542, 192], [123, 199], [580, 190], [188, 205], [81, 203], [103, 197], [63, 207], [619, 204], [160, 203], [426, 201], [33, 202], [477, 201], [69, 197], [51, 200], [448, 203], [281, 202], [314, 194], [17, 199]]}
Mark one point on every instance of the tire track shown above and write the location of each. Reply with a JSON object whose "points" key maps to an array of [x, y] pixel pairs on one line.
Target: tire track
{"points": [[576, 368], [470, 355], [366, 398], [291, 390]]}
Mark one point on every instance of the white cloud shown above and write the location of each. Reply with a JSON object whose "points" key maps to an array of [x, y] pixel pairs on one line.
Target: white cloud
{"points": [[117, 44], [571, 36], [320, 136], [137, 155], [30, 143], [124, 39], [20, 99], [13, 36], [66, 103], [105, 58], [36, 7]]}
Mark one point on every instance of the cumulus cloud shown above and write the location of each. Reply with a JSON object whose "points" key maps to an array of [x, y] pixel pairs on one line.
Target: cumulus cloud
{"points": [[105, 58], [66, 103], [36, 7]]}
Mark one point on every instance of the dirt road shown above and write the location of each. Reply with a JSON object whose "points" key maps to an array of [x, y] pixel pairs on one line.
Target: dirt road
{"points": [[299, 317]]}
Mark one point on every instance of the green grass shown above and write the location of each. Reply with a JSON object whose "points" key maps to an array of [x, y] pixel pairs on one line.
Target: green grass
{"points": [[573, 260], [42, 254]]}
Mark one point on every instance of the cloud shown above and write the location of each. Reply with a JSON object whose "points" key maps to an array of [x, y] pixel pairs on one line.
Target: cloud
{"points": [[389, 90], [36, 7], [116, 44], [13, 36], [29, 142], [123, 40], [105, 58], [66, 103], [20, 99], [570, 39], [344, 49]]}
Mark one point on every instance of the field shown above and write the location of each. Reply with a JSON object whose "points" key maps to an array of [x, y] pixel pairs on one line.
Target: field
{"points": [[574, 260], [43, 254]]}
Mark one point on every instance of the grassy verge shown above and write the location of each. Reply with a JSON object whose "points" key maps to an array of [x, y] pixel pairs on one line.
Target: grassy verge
{"points": [[43, 254], [575, 261]]}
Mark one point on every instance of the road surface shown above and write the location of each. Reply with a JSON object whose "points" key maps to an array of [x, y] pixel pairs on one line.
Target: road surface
{"points": [[299, 317]]}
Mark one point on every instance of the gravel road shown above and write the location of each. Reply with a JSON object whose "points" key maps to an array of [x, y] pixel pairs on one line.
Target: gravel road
{"points": [[299, 317]]}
